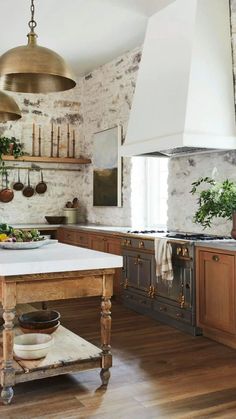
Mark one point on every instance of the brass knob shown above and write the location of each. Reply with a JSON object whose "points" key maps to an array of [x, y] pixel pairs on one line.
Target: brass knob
{"points": [[124, 243], [216, 258], [178, 250], [162, 308], [185, 251], [128, 243], [141, 244]]}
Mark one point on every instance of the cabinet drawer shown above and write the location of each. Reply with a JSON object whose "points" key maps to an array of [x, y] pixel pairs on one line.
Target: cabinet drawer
{"points": [[137, 300], [82, 240], [173, 312], [69, 237]]}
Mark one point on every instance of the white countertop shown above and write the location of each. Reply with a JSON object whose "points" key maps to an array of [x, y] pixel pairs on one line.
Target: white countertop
{"points": [[224, 245], [55, 258]]}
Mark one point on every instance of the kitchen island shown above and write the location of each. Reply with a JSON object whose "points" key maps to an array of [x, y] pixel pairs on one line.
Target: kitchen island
{"points": [[53, 272]]}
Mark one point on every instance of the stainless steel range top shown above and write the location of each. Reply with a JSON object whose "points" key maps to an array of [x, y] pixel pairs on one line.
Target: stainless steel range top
{"points": [[180, 235]]}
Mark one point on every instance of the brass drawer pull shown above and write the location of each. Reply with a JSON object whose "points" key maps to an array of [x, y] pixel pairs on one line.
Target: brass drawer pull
{"points": [[162, 308], [216, 258]]}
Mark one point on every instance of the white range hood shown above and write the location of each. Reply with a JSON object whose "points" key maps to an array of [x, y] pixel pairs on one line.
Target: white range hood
{"points": [[184, 96]]}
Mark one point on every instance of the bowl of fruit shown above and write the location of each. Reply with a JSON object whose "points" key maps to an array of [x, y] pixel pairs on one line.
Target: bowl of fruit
{"points": [[14, 238]]}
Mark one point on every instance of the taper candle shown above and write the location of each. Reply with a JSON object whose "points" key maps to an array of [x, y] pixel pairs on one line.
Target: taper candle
{"points": [[39, 141], [68, 140], [73, 144], [52, 135], [58, 140], [33, 140]]}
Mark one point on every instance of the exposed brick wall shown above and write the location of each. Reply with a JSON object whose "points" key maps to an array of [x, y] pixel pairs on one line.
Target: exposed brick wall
{"points": [[99, 101]]}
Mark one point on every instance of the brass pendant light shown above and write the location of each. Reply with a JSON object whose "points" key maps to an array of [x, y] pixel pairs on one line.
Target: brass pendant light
{"points": [[9, 110], [34, 69]]}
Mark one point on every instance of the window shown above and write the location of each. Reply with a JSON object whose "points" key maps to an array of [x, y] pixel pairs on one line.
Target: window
{"points": [[149, 186]]}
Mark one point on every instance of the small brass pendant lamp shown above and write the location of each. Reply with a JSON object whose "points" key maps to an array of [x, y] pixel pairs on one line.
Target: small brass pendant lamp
{"points": [[9, 110], [34, 69]]}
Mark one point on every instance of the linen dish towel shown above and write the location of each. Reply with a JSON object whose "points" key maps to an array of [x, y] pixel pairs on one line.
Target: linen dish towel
{"points": [[163, 256]]}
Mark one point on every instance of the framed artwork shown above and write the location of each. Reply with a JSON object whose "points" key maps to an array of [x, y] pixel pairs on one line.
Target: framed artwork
{"points": [[107, 170]]}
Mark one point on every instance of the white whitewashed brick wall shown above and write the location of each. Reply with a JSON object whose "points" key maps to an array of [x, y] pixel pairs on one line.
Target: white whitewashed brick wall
{"points": [[100, 100]]}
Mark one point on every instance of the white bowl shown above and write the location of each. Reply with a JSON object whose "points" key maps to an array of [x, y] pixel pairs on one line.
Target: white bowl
{"points": [[32, 345]]}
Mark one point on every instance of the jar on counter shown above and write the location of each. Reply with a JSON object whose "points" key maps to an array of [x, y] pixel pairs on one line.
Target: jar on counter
{"points": [[71, 215]]}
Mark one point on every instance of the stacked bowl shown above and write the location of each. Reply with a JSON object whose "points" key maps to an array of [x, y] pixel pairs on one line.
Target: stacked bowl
{"points": [[41, 321]]}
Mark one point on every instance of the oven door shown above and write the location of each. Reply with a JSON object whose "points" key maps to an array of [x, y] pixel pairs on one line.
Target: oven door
{"points": [[180, 291]]}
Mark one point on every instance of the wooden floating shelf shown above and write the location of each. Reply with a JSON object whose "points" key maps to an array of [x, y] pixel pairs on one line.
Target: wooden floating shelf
{"points": [[65, 160]]}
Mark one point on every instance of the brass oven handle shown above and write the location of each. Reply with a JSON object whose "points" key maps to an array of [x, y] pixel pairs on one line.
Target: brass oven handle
{"points": [[216, 258]]}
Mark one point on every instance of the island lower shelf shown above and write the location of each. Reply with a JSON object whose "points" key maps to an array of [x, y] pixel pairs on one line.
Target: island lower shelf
{"points": [[69, 354]]}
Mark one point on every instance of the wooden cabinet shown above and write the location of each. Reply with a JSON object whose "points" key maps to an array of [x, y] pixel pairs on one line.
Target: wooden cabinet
{"points": [[102, 242], [74, 237], [138, 280], [216, 309]]}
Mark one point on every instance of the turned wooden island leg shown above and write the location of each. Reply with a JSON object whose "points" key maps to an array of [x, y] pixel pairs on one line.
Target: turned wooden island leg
{"points": [[105, 340], [8, 372]]}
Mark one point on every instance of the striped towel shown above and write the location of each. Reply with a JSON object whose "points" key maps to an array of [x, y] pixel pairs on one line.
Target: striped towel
{"points": [[163, 255]]}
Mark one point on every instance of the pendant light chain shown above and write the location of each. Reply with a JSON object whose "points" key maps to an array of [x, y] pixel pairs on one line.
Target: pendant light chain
{"points": [[32, 24]]}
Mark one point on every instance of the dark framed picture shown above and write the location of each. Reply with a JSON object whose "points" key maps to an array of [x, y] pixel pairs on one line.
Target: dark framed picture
{"points": [[107, 170]]}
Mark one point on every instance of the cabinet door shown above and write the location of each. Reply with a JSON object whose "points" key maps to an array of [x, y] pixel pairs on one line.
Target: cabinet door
{"points": [[139, 270], [98, 242], [216, 288]]}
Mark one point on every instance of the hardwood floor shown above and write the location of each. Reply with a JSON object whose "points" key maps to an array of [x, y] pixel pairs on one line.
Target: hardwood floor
{"points": [[158, 372]]}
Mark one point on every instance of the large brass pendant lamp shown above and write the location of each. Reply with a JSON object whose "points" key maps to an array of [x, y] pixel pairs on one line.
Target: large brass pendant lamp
{"points": [[34, 69], [9, 110]]}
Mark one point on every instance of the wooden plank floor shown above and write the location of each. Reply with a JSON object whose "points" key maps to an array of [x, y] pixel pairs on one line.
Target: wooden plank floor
{"points": [[158, 372]]}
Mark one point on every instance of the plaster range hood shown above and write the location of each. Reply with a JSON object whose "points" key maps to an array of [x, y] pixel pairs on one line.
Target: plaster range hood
{"points": [[184, 97]]}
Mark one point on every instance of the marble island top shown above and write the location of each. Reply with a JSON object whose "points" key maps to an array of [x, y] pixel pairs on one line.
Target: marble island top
{"points": [[55, 257]]}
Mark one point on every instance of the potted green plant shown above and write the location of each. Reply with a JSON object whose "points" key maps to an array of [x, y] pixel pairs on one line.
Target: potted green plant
{"points": [[10, 146], [218, 199]]}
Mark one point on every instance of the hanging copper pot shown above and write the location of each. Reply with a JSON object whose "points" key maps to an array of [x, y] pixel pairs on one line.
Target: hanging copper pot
{"points": [[41, 187], [6, 194]]}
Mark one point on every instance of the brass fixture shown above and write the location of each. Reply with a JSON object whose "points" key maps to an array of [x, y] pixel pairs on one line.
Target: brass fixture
{"points": [[34, 69], [179, 250], [141, 244], [9, 110]]}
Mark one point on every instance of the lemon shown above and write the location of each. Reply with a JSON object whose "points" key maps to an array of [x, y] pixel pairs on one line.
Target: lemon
{"points": [[3, 237]]}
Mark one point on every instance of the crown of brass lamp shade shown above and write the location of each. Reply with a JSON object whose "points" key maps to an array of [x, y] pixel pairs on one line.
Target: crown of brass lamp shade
{"points": [[34, 69], [9, 110]]}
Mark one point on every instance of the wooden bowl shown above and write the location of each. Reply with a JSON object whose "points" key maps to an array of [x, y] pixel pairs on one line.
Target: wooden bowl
{"points": [[32, 345], [48, 331], [55, 219], [40, 319]]}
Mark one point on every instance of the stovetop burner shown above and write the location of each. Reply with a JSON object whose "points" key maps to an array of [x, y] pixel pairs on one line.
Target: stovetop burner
{"points": [[195, 236], [181, 235]]}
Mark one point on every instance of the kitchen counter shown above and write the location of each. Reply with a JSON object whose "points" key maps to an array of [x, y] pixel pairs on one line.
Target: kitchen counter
{"points": [[53, 272], [55, 258], [224, 245], [38, 226]]}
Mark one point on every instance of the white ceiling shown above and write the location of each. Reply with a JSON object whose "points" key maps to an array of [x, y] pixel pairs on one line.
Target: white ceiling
{"points": [[87, 33]]}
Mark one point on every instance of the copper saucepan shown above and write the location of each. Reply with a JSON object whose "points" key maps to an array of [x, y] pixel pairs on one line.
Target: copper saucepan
{"points": [[28, 190], [18, 186], [6, 194], [41, 187]]}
